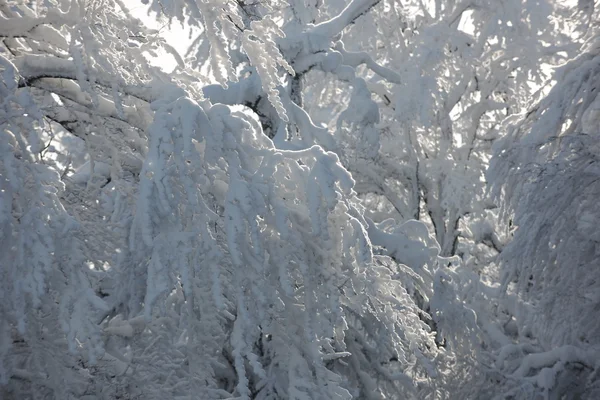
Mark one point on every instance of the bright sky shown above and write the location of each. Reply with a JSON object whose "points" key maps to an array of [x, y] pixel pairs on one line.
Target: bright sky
{"points": [[176, 35]]}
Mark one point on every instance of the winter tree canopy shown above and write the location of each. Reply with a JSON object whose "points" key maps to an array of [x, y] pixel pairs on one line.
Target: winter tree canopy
{"points": [[301, 199]]}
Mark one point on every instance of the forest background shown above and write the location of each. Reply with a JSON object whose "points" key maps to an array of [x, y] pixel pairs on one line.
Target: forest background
{"points": [[303, 199]]}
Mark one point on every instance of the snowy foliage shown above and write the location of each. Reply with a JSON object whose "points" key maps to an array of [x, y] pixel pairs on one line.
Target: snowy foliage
{"points": [[188, 254], [298, 209], [546, 173]]}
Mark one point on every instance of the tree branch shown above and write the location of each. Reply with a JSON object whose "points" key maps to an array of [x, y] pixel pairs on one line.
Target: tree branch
{"points": [[335, 26]]}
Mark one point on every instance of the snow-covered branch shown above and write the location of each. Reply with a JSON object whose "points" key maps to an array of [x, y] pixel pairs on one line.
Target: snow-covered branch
{"points": [[333, 27]]}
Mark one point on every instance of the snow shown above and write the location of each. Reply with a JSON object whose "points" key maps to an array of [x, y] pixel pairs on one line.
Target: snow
{"points": [[318, 223]]}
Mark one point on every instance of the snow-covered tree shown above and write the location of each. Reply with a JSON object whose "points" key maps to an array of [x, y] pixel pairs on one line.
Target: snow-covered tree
{"points": [[158, 244], [444, 75], [546, 175], [298, 209]]}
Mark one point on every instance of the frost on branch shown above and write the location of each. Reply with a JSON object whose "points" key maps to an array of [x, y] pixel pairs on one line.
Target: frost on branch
{"points": [[264, 264], [259, 45], [546, 173], [220, 20], [45, 286], [178, 252], [229, 29]]}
